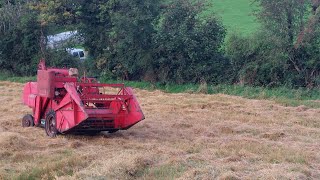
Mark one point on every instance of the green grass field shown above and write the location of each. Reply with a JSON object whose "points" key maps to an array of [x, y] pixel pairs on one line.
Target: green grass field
{"points": [[237, 15]]}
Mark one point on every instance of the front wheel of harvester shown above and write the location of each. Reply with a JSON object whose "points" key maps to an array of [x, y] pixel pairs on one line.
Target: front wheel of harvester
{"points": [[27, 121], [50, 125]]}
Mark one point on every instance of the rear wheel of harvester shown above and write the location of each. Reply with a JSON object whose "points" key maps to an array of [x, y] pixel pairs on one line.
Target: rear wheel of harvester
{"points": [[50, 125], [27, 121]]}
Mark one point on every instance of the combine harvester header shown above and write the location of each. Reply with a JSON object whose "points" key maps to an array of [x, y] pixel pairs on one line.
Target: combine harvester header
{"points": [[63, 104]]}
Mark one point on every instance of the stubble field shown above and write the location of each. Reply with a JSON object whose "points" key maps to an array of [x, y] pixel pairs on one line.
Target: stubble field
{"points": [[184, 136]]}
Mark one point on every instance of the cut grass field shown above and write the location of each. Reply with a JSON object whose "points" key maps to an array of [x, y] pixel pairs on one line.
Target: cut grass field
{"points": [[236, 15], [184, 136]]}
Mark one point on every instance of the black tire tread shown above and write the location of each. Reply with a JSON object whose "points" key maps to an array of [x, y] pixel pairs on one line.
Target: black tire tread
{"points": [[49, 114]]}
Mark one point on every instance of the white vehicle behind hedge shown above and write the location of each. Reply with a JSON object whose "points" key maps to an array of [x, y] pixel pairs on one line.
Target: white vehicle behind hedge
{"points": [[79, 53]]}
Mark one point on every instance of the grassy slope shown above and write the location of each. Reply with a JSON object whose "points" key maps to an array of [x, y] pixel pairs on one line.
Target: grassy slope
{"points": [[237, 15]]}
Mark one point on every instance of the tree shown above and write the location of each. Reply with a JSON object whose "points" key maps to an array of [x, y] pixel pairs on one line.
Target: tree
{"points": [[272, 56], [95, 25], [275, 57], [19, 38], [134, 39], [284, 19], [124, 43], [255, 60], [187, 48], [23, 31], [307, 32]]}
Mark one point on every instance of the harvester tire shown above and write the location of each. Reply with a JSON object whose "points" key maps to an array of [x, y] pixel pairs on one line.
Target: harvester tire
{"points": [[50, 125], [27, 121]]}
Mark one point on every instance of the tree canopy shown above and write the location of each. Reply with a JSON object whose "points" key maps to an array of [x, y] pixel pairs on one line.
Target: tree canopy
{"points": [[167, 41], [273, 57]]}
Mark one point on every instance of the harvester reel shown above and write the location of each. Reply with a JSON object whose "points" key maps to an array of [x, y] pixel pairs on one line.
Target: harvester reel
{"points": [[27, 121], [50, 125]]}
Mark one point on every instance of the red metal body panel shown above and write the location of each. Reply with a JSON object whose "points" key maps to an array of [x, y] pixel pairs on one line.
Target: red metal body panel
{"points": [[29, 95], [80, 106], [46, 82]]}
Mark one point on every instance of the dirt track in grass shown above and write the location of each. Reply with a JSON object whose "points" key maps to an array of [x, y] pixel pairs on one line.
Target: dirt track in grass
{"points": [[185, 136]]}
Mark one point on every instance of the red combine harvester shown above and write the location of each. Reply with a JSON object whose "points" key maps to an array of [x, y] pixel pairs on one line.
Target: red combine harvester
{"points": [[62, 104]]}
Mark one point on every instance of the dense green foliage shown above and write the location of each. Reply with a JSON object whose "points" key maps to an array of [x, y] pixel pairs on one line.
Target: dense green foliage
{"points": [[181, 41], [128, 50], [187, 49], [22, 40], [271, 57], [154, 41], [19, 38]]}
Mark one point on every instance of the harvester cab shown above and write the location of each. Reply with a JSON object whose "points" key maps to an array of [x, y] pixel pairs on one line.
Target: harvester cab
{"points": [[63, 103]]}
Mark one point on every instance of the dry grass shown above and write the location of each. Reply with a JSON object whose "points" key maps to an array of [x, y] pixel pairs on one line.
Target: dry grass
{"points": [[185, 136]]}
